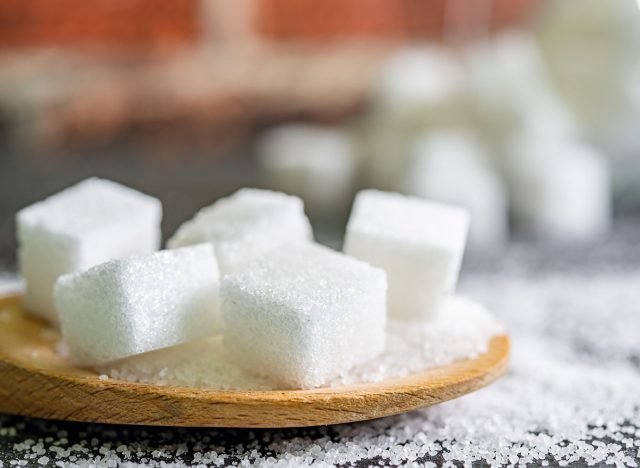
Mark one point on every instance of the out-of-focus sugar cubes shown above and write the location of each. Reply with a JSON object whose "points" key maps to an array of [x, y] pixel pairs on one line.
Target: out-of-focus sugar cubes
{"points": [[419, 87], [510, 88], [246, 224], [418, 243], [138, 304], [316, 163], [82, 226], [304, 314], [559, 190], [417, 79], [451, 167]]}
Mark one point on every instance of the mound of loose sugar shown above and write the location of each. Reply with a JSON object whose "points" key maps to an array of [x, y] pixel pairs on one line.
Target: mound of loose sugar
{"points": [[200, 364], [462, 330]]}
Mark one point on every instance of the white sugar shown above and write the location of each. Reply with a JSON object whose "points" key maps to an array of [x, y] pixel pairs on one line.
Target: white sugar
{"points": [[200, 364], [304, 314], [418, 243], [138, 304], [463, 331], [552, 408], [246, 224], [82, 226]]}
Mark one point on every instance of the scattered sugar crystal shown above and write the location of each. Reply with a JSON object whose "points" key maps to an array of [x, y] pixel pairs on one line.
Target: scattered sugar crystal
{"points": [[87, 224], [299, 159], [138, 304], [451, 167], [304, 314], [417, 242], [560, 190], [245, 225]]}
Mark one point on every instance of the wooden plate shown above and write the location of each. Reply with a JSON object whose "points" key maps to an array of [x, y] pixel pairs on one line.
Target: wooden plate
{"points": [[35, 381]]}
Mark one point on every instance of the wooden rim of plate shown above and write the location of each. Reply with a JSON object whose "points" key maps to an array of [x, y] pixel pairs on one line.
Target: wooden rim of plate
{"points": [[35, 381]]}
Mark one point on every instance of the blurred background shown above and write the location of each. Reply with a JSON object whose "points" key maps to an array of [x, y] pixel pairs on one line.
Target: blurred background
{"points": [[525, 111]]}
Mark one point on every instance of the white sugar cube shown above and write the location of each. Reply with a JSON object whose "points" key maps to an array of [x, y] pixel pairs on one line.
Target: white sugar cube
{"points": [[300, 159], [246, 224], [451, 167], [417, 242], [138, 304], [560, 190], [82, 226], [304, 314]]}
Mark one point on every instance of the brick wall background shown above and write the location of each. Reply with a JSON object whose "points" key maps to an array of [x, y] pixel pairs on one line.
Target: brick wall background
{"points": [[128, 23], [157, 24]]}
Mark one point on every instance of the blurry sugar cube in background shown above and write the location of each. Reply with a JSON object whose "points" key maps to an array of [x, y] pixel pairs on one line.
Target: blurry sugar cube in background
{"points": [[316, 163], [560, 190], [452, 168]]}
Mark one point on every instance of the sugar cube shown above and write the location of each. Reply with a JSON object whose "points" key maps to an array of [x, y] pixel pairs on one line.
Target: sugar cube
{"points": [[451, 167], [304, 314], [418, 243], [140, 303], [245, 225], [560, 190], [87, 224], [299, 159]]}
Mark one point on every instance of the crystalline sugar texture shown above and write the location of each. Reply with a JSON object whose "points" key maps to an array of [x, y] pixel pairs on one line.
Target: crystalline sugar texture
{"points": [[82, 226], [139, 304], [247, 224], [303, 315]]}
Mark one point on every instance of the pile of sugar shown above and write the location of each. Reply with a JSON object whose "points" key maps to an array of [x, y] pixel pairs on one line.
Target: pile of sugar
{"points": [[570, 398], [463, 330]]}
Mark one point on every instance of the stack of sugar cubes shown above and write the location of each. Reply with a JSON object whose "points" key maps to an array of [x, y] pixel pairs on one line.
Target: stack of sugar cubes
{"points": [[244, 271]]}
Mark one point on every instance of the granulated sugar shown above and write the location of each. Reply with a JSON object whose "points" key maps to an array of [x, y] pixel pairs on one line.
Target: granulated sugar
{"points": [[462, 330], [570, 398], [199, 364]]}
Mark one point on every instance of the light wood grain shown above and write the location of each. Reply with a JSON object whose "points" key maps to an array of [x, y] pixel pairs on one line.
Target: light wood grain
{"points": [[35, 381]]}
